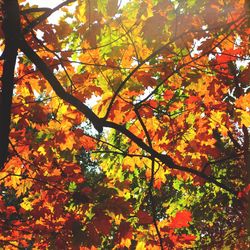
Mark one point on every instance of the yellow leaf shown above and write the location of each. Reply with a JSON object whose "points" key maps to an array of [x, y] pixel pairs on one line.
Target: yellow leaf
{"points": [[80, 11], [160, 176], [41, 150], [218, 120], [141, 246], [23, 187], [26, 204], [190, 119], [190, 134], [244, 117], [128, 163]]}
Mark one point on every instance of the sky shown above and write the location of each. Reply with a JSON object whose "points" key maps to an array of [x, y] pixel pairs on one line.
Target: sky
{"points": [[42, 3], [53, 3]]}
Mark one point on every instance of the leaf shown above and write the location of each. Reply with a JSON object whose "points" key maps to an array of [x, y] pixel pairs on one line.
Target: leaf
{"points": [[26, 204], [181, 219], [243, 102], [144, 218], [168, 94], [102, 224], [140, 245], [72, 186], [145, 78], [128, 163]]}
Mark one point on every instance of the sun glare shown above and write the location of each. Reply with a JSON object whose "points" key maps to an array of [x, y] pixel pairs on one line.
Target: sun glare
{"points": [[54, 18]]}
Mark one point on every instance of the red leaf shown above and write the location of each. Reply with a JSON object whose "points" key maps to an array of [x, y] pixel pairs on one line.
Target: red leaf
{"points": [[192, 99], [102, 224], [181, 219], [168, 94], [145, 78], [144, 218]]}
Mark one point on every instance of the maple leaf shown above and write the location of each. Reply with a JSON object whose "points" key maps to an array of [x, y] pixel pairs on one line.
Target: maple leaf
{"points": [[144, 217], [181, 219], [168, 94], [146, 78]]}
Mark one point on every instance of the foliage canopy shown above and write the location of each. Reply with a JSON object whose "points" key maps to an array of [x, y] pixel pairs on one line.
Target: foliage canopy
{"points": [[125, 125]]}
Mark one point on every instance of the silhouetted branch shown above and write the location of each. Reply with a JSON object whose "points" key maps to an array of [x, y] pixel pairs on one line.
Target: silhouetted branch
{"points": [[32, 10], [11, 31]]}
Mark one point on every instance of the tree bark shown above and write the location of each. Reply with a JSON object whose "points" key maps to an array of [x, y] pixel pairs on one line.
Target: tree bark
{"points": [[11, 30]]}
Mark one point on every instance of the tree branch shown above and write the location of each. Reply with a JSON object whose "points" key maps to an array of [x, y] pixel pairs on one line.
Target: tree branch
{"points": [[11, 30], [32, 10]]}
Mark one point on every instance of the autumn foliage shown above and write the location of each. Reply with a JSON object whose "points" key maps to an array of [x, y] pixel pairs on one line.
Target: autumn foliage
{"points": [[125, 125]]}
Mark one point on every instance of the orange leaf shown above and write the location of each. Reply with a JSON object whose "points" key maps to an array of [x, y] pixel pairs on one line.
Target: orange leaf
{"points": [[168, 94]]}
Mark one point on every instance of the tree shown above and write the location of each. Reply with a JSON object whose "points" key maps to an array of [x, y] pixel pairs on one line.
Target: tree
{"points": [[125, 125]]}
